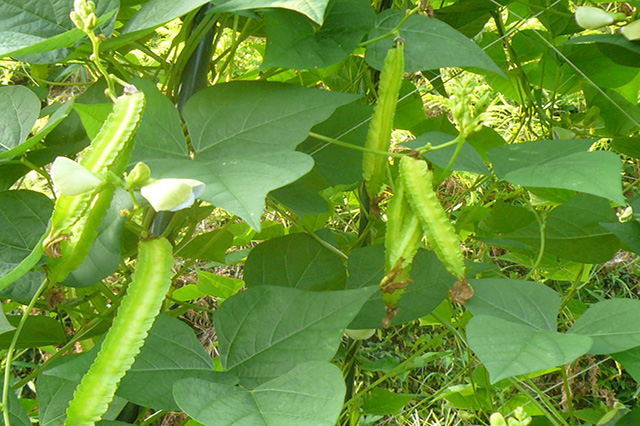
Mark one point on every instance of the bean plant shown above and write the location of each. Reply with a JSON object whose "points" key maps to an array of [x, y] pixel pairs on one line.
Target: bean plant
{"points": [[319, 213]]}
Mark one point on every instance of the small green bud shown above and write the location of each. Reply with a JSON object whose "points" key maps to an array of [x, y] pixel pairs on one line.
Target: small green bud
{"points": [[77, 20], [139, 176], [92, 22]]}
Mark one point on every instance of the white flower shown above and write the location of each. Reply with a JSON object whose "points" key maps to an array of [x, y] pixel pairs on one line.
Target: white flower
{"points": [[172, 194], [631, 31], [590, 17], [71, 178]]}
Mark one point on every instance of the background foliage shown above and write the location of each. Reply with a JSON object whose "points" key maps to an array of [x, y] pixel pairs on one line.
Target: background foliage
{"points": [[268, 103]]}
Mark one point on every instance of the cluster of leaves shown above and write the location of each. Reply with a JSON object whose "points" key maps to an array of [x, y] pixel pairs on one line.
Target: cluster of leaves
{"points": [[540, 203]]}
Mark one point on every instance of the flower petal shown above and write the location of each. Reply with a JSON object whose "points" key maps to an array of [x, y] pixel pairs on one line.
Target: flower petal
{"points": [[172, 194], [71, 178]]}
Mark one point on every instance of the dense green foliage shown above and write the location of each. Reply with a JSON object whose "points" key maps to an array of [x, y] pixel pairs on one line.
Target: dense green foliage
{"points": [[313, 170]]}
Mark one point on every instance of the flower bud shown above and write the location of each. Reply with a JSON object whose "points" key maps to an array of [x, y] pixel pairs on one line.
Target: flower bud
{"points": [[92, 22], [631, 31], [139, 176], [172, 194], [71, 178], [590, 17]]}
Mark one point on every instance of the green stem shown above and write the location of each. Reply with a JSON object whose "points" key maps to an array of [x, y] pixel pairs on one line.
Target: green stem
{"points": [[355, 147], [542, 221], [11, 350]]}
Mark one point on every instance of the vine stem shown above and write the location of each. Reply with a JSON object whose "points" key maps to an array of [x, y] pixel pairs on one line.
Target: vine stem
{"points": [[542, 221], [11, 350], [353, 146]]}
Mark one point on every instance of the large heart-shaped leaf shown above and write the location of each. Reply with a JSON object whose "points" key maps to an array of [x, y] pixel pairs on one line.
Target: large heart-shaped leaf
{"points": [[160, 133], [311, 394], [295, 260], [614, 325], [336, 164], [315, 9], [573, 231], [429, 44], [293, 41], [244, 134], [560, 164], [266, 331], [518, 301], [509, 349], [170, 353]]}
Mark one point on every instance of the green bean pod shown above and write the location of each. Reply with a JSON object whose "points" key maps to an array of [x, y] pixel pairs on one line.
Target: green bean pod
{"points": [[76, 218], [418, 183], [136, 314], [404, 232], [379, 133]]}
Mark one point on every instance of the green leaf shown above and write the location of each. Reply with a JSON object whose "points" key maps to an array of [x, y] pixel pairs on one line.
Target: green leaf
{"points": [[23, 219], [104, 256], [383, 402], [244, 134], [157, 12], [33, 27], [54, 395], [20, 109], [301, 196], [630, 360], [509, 349], [311, 394], [170, 353], [627, 145], [560, 164], [468, 158], [293, 41], [614, 325], [314, 9], [522, 302], [38, 331], [574, 231], [17, 414], [429, 44], [208, 246], [615, 46], [160, 133], [5, 326], [628, 232], [336, 164], [468, 16], [266, 331], [621, 117], [93, 116], [217, 285], [297, 261], [430, 281]]}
